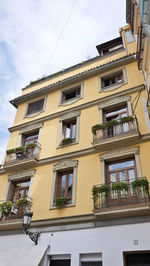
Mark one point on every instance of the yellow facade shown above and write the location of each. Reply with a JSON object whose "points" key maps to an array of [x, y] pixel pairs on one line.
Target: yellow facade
{"points": [[84, 152]]}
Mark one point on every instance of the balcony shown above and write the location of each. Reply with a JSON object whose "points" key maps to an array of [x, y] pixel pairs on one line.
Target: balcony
{"points": [[12, 210], [117, 132], [123, 202], [22, 156]]}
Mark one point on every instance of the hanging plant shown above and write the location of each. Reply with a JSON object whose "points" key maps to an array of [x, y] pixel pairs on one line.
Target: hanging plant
{"points": [[6, 207], [126, 119], [10, 151], [22, 202], [112, 123], [140, 183], [67, 141], [103, 189], [61, 202], [31, 146], [119, 186], [20, 149], [97, 127]]}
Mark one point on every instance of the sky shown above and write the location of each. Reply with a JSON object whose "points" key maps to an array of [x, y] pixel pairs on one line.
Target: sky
{"points": [[41, 37]]}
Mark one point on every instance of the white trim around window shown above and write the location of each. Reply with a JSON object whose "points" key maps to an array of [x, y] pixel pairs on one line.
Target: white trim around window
{"points": [[61, 102], [38, 112], [114, 86], [65, 165]]}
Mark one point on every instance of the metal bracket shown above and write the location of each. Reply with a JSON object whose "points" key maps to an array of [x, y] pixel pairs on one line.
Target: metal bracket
{"points": [[33, 236]]}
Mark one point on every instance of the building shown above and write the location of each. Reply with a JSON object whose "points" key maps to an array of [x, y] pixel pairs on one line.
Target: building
{"points": [[78, 151], [138, 16]]}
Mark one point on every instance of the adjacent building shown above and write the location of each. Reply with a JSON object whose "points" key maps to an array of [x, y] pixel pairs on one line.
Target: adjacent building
{"points": [[78, 158]]}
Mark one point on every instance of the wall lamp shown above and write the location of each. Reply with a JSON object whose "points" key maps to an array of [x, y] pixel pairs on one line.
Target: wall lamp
{"points": [[26, 224]]}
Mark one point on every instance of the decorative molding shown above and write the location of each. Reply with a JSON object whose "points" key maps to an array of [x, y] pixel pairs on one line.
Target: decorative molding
{"points": [[71, 100], [21, 175], [69, 115], [80, 107], [65, 164], [118, 152], [31, 127], [114, 101]]}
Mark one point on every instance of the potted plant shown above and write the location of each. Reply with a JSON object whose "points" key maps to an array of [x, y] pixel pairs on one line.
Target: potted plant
{"points": [[97, 127], [141, 184], [67, 141], [20, 149], [10, 151], [31, 145], [6, 207], [61, 202], [119, 186], [103, 190], [23, 202], [111, 123], [127, 119]]}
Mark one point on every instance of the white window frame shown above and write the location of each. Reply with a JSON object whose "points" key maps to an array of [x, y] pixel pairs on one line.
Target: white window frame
{"points": [[38, 112], [81, 85], [72, 115], [113, 86], [68, 164]]}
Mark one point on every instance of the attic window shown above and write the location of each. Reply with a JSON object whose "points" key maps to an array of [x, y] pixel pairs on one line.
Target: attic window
{"points": [[112, 80], [71, 94]]}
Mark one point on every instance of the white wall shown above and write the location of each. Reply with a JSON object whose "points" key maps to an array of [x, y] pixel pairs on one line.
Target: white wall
{"points": [[111, 241]]}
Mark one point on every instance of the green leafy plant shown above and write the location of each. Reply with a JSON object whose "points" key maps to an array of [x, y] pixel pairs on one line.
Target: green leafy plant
{"points": [[10, 151], [99, 190], [61, 202], [31, 146], [97, 127], [112, 123], [119, 186], [126, 119], [6, 207], [67, 141], [23, 202], [140, 183], [20, 149]]}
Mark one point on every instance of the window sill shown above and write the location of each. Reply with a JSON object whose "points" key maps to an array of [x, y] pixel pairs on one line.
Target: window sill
{"points": [[67, 144], [70, 101], [34, 114], [71, 204], [112, 87]]}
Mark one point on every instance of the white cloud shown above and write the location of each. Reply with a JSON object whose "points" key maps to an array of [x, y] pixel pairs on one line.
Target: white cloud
{"points": [[29, 30]]}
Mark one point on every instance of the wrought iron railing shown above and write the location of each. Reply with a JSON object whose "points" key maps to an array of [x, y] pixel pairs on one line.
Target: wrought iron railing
{"points": [[116, 131], [14, 209], [25, 154], [118, 199]]}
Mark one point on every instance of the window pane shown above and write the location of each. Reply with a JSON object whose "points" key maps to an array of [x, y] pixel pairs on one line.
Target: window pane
{"points": [[111, 113], [91, 263], [60, 263], [73, 131], [63, 184], [113, 177], [129, 36], [35, 106], [68, 131], [70, 179], [121, 165], [131, 175], [122, 176]]}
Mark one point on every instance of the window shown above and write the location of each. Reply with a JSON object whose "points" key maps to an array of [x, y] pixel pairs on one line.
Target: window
{"points": [[91, 263], [116, 114], [112, 80], [35, 107], [60, 263], [69, 129], [129, 36], [64, 184], [19, 189], [71, 94], [137, 258], [30, 138]]}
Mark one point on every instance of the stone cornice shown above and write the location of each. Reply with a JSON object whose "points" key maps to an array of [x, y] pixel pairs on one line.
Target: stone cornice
{"points": [[77, 108], [75, 78]]}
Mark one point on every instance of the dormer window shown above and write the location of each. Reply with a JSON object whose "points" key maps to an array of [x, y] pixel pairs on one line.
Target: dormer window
{"points": [[110, 46]]}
